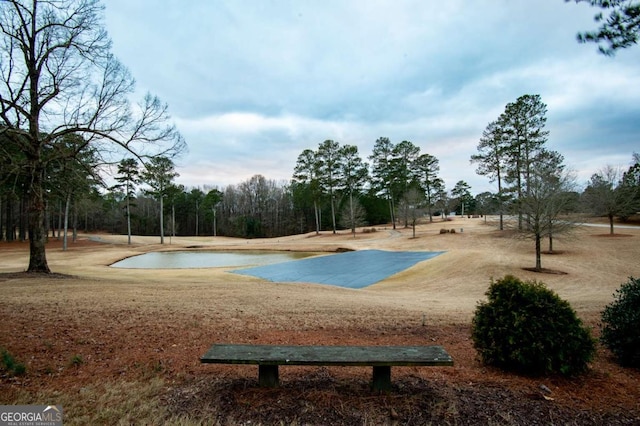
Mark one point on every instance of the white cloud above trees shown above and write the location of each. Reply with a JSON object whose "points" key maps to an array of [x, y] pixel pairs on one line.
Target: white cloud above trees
{"points": [[252, 84]]}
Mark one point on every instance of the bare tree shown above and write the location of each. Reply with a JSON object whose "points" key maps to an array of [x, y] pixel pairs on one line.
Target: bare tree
{"points": [[414, 199], [545, 200], [353, 215], [58, 77]]}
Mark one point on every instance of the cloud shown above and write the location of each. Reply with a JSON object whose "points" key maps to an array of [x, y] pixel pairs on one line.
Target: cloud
{"points": [[253, 84]]}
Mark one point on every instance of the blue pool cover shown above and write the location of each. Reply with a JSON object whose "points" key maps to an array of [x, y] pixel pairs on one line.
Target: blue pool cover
{"points": [[354, 269]]}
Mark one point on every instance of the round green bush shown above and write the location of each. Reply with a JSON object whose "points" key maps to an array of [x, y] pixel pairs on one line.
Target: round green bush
{"points": [[621, 324], [526, 328]]}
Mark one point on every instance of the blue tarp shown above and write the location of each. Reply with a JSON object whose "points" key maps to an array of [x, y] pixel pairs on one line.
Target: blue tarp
{"points": [[354, 269]]}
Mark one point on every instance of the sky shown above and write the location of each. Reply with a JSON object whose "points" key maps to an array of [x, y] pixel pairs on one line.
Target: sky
{"points": [[251, 84]]}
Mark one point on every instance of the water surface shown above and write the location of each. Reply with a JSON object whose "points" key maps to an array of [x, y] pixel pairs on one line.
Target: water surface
{"points": [[355, 269], [207, 259]]}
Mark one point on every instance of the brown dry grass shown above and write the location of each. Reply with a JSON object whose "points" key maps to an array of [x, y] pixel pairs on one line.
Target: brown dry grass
{"points": [[123, 346]]}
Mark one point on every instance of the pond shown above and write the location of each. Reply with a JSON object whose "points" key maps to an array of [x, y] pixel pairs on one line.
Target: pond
{"points": [[207, 259], [355, 269]]}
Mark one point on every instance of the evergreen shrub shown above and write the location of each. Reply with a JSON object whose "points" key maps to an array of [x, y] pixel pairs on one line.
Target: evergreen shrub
{"points": [[526, 328], [621, 324]]}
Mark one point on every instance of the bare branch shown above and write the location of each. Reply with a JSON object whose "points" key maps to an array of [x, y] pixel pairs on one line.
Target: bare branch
{"points": [[57, 79]]}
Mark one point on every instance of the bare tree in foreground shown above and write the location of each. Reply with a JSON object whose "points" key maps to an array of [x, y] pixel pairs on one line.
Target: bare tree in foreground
{"points": [[58, 77]]}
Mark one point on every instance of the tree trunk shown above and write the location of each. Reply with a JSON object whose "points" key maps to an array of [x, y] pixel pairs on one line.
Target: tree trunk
{"points": [[277, 218], [173, 220], [37, 237], [611, 224], [538, 253], [66, 222], [501, 202], [406, 215], [75, 222], [393, 219], [214, 222], [161, 220], [22, 228], [128, 219], [315, 210], [197, 219], [47, 219], [519, 202], [333, 213], [9, 234], [352, 215], [60, 213]]}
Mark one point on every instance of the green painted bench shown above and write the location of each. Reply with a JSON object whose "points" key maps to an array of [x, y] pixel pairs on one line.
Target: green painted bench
{"points": [[381, 358]]}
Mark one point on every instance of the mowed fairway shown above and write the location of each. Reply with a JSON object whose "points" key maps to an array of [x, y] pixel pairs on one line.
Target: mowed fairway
{"points": [[123, 345]]}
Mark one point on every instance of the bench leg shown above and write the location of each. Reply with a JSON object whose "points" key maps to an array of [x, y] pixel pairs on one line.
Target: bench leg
{"points": [[268, 376], [381, 378]]}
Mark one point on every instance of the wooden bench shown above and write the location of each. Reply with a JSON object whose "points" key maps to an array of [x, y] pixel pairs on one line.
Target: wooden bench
{"points": [[381, 358]]}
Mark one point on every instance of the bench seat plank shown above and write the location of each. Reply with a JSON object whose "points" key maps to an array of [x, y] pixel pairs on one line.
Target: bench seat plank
{"points": [[381, 358], [328, 355]]}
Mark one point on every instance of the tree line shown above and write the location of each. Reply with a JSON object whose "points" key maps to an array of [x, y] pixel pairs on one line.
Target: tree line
{"points": [[332, 187]]}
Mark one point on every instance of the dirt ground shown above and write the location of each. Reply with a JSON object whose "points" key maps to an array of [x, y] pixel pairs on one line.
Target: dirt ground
{"points": [[117, 346]]}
